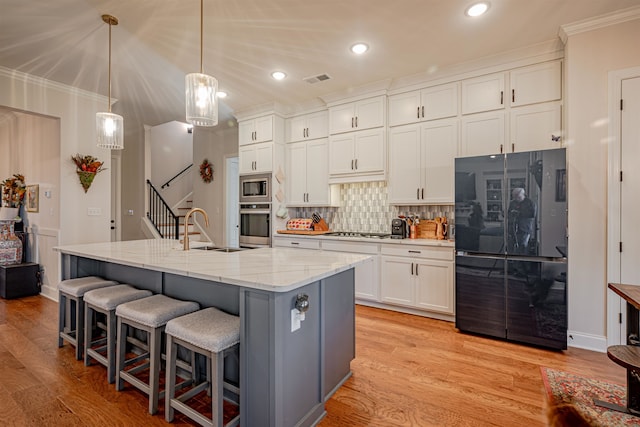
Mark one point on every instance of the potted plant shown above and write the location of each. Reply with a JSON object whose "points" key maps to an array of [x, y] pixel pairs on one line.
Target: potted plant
{"points": [[13, 191]]}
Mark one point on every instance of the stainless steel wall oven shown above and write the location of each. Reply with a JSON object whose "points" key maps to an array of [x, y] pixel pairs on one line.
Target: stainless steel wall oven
{"points": [[255, 225]]}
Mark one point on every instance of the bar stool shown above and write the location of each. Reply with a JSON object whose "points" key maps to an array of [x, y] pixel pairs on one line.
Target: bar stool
{"points": [[105, 301], [70, 292], [215, 335], [149, 315]]}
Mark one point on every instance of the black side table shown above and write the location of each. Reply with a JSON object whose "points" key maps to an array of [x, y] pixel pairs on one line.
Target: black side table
{"points": [[19, 280]]}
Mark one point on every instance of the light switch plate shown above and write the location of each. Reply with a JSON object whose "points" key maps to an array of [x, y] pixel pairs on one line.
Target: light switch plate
{"points": [[295, 320], [94, 211]]}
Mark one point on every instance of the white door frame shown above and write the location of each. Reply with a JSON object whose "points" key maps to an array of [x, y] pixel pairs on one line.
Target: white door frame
{"points": [[615, 305]]}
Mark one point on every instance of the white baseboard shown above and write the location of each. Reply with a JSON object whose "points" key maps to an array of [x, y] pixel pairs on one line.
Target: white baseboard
{"points": [[587, 341], [408, 310], [49, 292]]}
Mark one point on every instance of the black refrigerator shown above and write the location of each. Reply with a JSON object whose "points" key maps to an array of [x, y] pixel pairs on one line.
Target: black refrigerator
{"points": [[511, 246]]}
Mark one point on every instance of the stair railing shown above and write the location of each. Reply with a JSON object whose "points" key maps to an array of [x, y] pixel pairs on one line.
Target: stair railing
{"points": [[167, 224], [166, 184]]}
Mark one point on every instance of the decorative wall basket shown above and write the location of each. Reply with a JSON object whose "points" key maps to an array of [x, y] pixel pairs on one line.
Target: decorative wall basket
{"points": [[87, 167], [86, 178]]}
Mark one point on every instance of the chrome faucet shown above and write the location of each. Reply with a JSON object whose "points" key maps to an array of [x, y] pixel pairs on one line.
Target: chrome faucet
{"points": [[186, 225]]}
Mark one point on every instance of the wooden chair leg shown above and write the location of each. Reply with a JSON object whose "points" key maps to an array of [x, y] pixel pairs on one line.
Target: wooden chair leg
{"points": [[155, 337], [121, 349], [111, 346], [217, 377], [62, 301], [170, 383], [88, 327]]}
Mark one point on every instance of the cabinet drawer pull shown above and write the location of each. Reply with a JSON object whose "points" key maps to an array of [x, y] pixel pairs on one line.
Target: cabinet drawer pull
{"points": [[423, 194], [415, 252], [351, 164], [356, 121], [513, 147], [356, 160], [501, 97], [513, 95], [423, 111], [295, 243], [351, 121], [417, 193], [417, 269]]}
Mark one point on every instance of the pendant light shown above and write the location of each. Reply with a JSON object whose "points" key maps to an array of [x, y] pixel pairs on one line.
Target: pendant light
{"points": [[110, 126], [200, 91]]}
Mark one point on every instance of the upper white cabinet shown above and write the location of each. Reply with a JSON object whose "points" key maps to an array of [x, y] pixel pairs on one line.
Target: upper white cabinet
{"points": [[255, 158], [364, 114], [484, 93], [483, 134], [536, 83], [432, 103], [421, 162], [255, 130], [308, 166], [536, 127], [308, 126], [357, 156]]}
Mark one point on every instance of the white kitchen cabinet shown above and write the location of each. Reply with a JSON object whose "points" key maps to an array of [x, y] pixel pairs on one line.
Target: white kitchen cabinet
{"points": [[364, 114], [308, 126], [308, 166], [483, 134], [359, 153], [295, 242], [421, 162], [418, 277], [432, 103], [536, 83], [367, 286], [484, 93], [255, 130], [256, 158], [536, 127]]}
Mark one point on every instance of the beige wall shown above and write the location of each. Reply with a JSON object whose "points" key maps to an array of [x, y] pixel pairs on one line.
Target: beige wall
{"points": [[589, 57], [215, 145]]}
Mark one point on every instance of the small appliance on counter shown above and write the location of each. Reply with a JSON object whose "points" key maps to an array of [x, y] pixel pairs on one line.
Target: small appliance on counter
{"points": [[399, 228]]}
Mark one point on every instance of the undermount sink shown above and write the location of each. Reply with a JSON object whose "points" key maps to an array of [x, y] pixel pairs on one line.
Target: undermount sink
{"points": [[217, 249]]}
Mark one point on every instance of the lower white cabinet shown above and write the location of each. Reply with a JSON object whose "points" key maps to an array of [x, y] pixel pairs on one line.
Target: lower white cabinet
{"points": [[367, 276], [418, 277], [293, 242]]}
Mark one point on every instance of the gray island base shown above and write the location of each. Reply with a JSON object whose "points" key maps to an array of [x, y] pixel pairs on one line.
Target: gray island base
{"points": [[285, 376]]}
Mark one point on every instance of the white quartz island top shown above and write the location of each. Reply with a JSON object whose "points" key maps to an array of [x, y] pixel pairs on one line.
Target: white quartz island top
{"points": [[272, 269]]}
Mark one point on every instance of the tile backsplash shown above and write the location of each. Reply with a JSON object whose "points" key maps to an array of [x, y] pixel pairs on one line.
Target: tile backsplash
{"points": [[364, 207]]}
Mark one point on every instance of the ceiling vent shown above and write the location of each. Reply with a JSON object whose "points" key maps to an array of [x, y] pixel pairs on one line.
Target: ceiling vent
{"points": [[316, 79]]}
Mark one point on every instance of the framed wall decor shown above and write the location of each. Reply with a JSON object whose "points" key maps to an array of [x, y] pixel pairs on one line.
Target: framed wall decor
{"points": [[32, 198]]}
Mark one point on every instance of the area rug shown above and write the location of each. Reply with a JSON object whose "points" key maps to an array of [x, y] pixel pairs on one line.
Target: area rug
{"points": [[580, 391]]}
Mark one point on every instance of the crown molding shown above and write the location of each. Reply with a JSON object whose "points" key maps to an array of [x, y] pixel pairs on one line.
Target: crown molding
{"points": [[356, 93], [601, 21], [261, 110], [26, 78]]}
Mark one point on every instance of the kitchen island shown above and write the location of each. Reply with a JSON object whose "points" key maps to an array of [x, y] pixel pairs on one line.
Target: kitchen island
{"points": [[285, 374]]}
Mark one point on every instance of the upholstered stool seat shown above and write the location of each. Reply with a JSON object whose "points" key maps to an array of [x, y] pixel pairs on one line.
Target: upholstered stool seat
{"points": [[70, 297], [105, 301], [149, 315], [214, 334]]}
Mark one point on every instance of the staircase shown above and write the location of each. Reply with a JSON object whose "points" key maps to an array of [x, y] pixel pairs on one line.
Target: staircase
{"points": [[168, 224]]}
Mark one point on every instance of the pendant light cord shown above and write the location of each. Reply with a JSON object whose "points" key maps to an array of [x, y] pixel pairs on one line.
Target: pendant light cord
{"points": [[201, 36], [110, 65]]}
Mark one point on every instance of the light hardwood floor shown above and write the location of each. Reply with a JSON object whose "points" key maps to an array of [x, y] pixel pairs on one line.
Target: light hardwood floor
{"points": [[408, 371]]}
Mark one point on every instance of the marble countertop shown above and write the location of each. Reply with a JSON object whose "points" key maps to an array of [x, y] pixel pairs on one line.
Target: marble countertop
{"points": [[271, 269]]}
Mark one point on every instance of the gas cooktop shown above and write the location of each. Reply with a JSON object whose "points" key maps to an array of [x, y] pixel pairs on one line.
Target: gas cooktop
{"points": [[359, 234]]}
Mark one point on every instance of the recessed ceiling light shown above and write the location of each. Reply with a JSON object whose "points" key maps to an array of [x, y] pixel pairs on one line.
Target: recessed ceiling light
{"points": [[359, 48], [477, 9], [221, 94], [278, 75]]}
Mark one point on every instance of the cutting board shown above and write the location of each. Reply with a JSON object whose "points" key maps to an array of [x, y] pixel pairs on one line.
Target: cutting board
{"points": [[304, 232]]}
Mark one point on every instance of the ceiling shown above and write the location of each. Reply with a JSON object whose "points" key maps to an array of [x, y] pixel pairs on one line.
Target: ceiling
{"points": [[158, 41]]}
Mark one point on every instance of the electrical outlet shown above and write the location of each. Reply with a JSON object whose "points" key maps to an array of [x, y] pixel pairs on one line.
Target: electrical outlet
{"points": [[94, 211]]}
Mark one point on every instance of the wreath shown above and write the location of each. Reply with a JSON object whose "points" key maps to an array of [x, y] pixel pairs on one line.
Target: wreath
{"points": [[206, 171]]}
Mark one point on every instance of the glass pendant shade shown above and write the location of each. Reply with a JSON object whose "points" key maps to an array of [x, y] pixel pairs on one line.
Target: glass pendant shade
{"points": [[110, 131], [201, 102]]}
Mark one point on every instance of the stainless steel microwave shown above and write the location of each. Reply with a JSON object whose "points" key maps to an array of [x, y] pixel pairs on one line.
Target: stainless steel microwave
{"points": [[255, 188]]}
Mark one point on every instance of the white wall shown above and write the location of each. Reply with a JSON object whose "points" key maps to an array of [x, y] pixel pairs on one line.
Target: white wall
{"points": [[589, 56], [215, 145], [76, 111]]}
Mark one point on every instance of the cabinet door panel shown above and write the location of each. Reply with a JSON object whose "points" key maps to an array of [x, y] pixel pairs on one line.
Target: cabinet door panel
{"points": [[440, 148], [440, 102], [264, 128], [534, 127], [482, 134], [247, 156], [370, 113], [369, 149], [367, 285], [245, 132], [297, 167], [434, 286], [404, 164], [397, 285], [537, 83], [341, 154], [404, 108], [296, 128], [318, 125], [342, 118], [317, 161], [264, 157], [484, 93]]}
